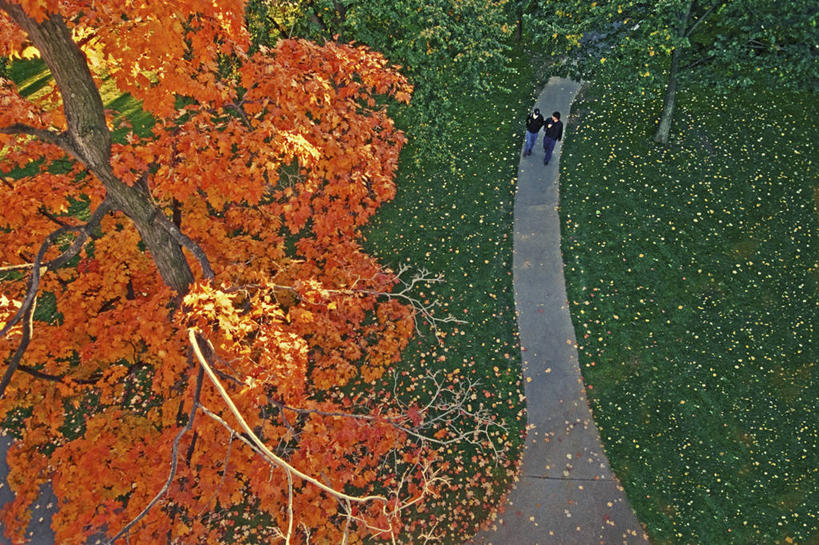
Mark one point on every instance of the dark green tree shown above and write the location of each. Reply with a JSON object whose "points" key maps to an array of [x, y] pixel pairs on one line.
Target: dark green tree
{"points": [[444, 47], [657, 45]]}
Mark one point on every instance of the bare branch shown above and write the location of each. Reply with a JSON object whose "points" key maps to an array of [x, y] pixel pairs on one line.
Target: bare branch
{"points": [[28, 329], [194, 341], [235, 433], [425, 309], [60, 139], [446, 408], [348, 519], [174, 459], [37, 268], [21, 267], [289, 507], [306, 531]]}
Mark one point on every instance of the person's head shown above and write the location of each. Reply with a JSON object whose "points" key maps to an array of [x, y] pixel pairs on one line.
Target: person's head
{"points": [[556, 115], [537, 111]]}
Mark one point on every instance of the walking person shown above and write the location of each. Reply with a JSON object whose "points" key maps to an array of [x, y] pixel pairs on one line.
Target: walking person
{"points": [[552, 133], [534, 121]]}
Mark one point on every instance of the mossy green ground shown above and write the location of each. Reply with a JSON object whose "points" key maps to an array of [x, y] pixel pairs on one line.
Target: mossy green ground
{"points": [[692, 279]]}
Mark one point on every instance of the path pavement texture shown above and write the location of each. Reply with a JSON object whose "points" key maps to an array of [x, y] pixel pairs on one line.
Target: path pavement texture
{"points": [[566, 493], [39, 531]]}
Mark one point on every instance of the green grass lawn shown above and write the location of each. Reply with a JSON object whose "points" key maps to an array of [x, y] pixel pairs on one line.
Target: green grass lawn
{"points": [[453, 215], [692, 278]]}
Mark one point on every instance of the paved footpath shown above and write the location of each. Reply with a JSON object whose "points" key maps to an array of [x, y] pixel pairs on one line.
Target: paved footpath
{"points": [[566, 493]]}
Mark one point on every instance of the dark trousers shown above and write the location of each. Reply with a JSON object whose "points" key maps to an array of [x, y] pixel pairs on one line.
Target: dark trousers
{"points": [[531, 138], [548, 147]]}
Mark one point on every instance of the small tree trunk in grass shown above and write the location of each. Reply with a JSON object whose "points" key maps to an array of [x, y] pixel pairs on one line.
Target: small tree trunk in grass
{"points": [[519, 24], [664, 127]]}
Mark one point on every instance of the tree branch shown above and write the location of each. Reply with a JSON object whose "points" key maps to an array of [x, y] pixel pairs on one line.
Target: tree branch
{"points": [[184, 240], [51, 217], [21, 348], [38, 268], [90, 138], [174, 459], [60, 139], [701, 19], [425, 310], [224, 463], [697, 62], [93, 379], [270, 455]]}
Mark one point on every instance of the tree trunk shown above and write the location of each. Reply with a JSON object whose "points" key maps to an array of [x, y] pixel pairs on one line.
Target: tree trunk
{"points": [[519, 24], [664, 127], [90, 141]]}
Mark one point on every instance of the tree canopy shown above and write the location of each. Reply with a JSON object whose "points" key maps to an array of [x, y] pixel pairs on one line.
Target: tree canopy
{"points": [[650, 45], [231, 400], [445, 47]]}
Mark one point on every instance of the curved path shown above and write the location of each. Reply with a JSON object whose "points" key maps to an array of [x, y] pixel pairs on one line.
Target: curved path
{"points": [[566, 493]]}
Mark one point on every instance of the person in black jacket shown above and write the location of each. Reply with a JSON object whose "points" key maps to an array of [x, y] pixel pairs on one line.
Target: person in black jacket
{"points": [[553, 133], [534, 122]]}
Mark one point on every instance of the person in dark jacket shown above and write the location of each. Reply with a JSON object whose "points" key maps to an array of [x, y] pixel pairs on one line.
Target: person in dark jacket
{"points": [[553, 133], [534, 121]]}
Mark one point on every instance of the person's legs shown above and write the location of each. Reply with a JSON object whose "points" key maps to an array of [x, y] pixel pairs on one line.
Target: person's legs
{"points": [[548, 146], [531, 138]]}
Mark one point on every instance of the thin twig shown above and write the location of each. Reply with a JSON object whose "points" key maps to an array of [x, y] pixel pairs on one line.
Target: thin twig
{"points": [[174, 459], [425, 310], [224, 467]]}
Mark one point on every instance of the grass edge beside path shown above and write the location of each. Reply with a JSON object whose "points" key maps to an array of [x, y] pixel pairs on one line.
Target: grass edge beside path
{"points": [[453, 215]]}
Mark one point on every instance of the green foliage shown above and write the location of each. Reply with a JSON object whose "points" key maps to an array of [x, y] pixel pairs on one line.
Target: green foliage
{"points": [[692, 280], [774, 39], [447, 48], [269, 20], [724, 41], [441, 41]]}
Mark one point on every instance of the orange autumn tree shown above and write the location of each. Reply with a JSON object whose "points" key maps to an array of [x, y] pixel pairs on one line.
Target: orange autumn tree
{"points": [[204, 375]]}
